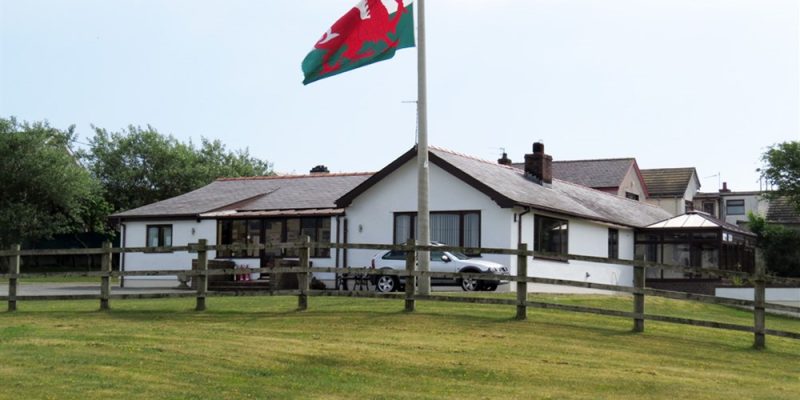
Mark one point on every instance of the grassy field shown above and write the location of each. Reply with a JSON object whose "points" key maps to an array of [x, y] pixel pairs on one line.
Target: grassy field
{"points": [[345, 348]]}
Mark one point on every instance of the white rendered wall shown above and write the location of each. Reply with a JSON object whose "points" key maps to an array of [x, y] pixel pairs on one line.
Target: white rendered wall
{"points": [[371, 215], [752, 203], [674, 206], [183, 233], [631, 184], [586, 238]]}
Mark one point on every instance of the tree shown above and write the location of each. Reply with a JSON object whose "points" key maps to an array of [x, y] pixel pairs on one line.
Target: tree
{"points": [[141, 166], [45, 190], [782, 169], [780, 246]]}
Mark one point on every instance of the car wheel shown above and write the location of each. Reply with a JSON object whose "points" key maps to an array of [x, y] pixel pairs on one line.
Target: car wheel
{"points": [[470, 284], [386, 284]]}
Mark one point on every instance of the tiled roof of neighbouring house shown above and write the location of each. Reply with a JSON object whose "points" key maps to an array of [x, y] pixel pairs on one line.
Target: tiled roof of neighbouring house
{"points": [[668, 181], [782, 212], [297, 192], [509, 186], [605, 173]]}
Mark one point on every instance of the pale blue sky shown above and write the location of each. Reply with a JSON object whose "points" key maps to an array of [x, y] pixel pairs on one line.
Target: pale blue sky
{"points": [[704, 83]]}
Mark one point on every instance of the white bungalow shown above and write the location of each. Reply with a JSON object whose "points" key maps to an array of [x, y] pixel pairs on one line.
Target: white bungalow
{"points": [[474, 203], [477, 203]]}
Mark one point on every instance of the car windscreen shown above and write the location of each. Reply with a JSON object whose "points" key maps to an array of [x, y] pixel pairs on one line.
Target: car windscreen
{"points": [[460, 256]]}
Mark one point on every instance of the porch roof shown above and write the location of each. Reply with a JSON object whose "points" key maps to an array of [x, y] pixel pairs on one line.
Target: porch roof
{"points": [[279, 194]]}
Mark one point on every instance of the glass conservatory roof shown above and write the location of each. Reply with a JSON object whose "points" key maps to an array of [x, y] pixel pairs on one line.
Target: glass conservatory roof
{"points": [[696, 219]]}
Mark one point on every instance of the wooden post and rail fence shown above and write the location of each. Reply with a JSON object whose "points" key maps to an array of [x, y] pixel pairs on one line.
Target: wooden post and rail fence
{"points": [[304, 270]]}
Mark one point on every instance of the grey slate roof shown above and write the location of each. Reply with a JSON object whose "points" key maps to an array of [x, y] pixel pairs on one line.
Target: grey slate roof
{"points": [[509, 186], [780, 211], [315, 191], [605, 173], [668, 181], [561, 197]]}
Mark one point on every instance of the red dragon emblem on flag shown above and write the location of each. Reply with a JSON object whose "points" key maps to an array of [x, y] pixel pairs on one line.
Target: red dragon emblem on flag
{"points": [[367, 33]]}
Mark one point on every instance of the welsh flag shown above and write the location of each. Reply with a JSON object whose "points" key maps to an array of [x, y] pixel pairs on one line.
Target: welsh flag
{"points": [[370, 32]]}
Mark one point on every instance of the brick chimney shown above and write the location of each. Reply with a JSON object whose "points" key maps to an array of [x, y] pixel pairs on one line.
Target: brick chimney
{"points": [[504, 160], [539, 165], [724, 188], [320, 169]]}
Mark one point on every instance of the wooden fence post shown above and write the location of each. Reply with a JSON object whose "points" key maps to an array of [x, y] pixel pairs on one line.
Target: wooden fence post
{"points": [[303, 276], [13, 270], [638, 298], [522, 286], [202, 277], [759, 308], [411, 280], [105, 279]]}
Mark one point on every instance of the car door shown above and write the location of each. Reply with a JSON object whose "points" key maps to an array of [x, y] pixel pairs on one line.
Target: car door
{"points": [[439, 265]]}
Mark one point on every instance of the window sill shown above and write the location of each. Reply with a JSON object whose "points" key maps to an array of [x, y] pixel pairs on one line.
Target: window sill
{"points": [[157, 250], [551, 259]]}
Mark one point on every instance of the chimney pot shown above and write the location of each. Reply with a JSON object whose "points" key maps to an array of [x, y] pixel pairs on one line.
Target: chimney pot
{"points": [[504, 160], [320, 169], [538, 147], [724, 188]]}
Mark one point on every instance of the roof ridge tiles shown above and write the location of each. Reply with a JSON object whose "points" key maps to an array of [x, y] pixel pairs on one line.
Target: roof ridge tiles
{"points": [[596, 159], [277, 177], [665, 169], [471, 157]]}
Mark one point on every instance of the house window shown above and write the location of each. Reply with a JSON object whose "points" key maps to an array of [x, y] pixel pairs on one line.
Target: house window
{"points": [[240, 232], [708, 207], [159, 235], [274, 230], [734, 207], [632, 196], [453, 228], [551, 235], [613, 243], [688, 205]]}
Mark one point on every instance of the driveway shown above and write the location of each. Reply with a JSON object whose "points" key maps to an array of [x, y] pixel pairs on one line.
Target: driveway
{"points": [[57, 289]]}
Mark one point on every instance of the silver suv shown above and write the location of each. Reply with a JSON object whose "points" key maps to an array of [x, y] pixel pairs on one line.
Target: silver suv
{"points": [[441, 261]]}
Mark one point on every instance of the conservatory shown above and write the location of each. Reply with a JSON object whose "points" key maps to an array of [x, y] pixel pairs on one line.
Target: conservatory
{"points": [[695, 239]]}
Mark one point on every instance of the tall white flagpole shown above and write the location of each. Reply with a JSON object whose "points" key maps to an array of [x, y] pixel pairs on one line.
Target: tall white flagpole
{"points": [[423, 212]]}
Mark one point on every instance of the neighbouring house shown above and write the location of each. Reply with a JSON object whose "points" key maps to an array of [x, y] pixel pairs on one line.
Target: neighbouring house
{"points": [[619, 176], [672, 189], [731, 207], [478, 203], [241, 211]]}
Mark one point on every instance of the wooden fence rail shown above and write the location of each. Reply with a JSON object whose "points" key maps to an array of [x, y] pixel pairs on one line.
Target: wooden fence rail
{"points": [[410, 274]]}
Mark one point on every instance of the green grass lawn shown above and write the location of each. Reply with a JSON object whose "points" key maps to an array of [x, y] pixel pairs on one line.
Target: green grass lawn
{"points": [[343, 348]]}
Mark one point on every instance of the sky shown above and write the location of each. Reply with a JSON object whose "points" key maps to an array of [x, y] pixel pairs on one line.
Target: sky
{"points": [[709, 84]]}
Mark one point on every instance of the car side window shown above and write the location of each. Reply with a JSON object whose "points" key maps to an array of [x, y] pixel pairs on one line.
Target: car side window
{"points": [[395, 255], [436, 255]]}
